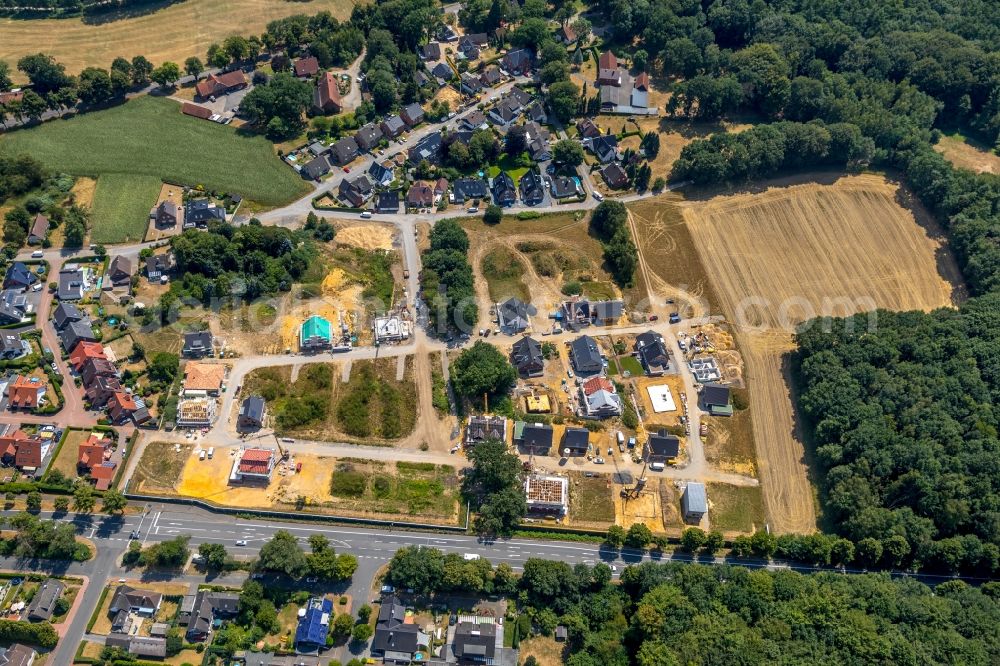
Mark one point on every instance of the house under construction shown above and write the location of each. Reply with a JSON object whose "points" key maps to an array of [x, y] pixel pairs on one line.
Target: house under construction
{"points": [[547, 494]]}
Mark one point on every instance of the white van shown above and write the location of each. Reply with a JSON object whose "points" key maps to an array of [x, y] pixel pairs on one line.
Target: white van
{"points": [[598, 196], [37, 254], [211, 452], [621, 438], [469, 557], [366, 215], [656, 467], [201, 456]]}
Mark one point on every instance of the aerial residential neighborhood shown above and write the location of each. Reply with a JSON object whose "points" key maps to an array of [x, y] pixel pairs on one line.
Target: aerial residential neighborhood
{"points": [[511, 333]]}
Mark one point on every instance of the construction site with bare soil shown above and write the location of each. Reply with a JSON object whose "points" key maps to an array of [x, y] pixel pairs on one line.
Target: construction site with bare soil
{"points": [[797, 250]]}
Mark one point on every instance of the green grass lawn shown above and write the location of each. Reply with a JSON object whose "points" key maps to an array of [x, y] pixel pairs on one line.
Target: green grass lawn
{"points": [[735, 508], [631, 364], [148, 136], [121, 207]]}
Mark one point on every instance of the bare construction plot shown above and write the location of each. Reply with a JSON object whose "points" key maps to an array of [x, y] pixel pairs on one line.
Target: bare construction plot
{"points": [[780, 257]]}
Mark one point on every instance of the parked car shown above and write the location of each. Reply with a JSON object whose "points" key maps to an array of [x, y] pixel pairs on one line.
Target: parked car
{"points": [[387, 589]]}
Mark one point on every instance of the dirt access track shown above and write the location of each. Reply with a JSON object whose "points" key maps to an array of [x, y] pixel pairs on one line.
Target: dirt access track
{"points": [[820, 244]]}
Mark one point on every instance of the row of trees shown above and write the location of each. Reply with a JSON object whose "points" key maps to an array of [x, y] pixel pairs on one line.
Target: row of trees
{"points": [[53, 89], [663, 614], [34, 537], [282, 554]]}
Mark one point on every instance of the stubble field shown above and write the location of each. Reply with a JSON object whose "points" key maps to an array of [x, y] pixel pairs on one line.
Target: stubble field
{"points": [[172, 33], [788, 254]]}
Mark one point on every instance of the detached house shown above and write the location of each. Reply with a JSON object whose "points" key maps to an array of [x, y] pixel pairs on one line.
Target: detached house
{"points": [[518, 61], [21, 451], [532, 189], [326, 96], [306, 67], [167, 214], [19, 276], [586, 357], [662, 448], [512, 316], [533, 437], [220, 84], [599, 399], [526, 356], [482, 428], [25, 393], [393, 126], [39, 230], [652, 353], [368, 136], [120, 271], [504, 192], [197, 344], [420, 195], [344, 151], [159, 265], [396, 641], [412, 114]]}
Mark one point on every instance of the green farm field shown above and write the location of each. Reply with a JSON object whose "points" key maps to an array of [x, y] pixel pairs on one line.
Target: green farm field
{"points": [[120, 212], [148, 136]]}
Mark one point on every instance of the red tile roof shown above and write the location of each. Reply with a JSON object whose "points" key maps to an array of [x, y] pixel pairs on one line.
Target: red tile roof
{"points": [[327, 92], [29, 453], [84, 351], [306, 66], [90, 455], [420, 194], [607, 61], [216, 84], [597, 384], [642, 81], [23, 392], [190, 109], [103, 475], [256, 461]]}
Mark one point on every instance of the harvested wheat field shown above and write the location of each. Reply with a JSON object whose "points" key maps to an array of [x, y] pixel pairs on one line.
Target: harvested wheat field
{"points": [[968, 154], [788, 254], [172, 33]]}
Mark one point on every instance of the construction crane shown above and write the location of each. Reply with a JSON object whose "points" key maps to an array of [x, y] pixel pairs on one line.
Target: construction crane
{"points": [[633, 492], [281, 449]]}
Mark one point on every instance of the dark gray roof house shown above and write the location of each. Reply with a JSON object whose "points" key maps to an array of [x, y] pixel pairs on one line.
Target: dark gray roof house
{"points": [[475, 643], [11, 344], [428, 148], [518, 61], [71, 283], [380, 174], [652, 352], [43, 604], [66, 313], [167, 214], [442, 73], [604, 147], [490, 76], [576, 440], [532, 189], [429, 51], [387, 202], [661, 447], [471, 84], [393, 126], [535, 437], [206, 606], [74, 332], [158, 265], [526, 356], [316, 168], [586, 356], [512, 316], [473, 121], [251, 412], [344, 151], [608, 312], [120, 270], [199, 212], [368, 136], [715, 399], [395, 641], [467, 189], [133, 600], [614, 176], [13, 306], [563, 187], [504, 192], [413, 114], [19, 276], [197, 344]]}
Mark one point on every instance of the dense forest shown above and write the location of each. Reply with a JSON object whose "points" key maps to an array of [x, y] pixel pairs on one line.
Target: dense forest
{"points": [[667, 614]]}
